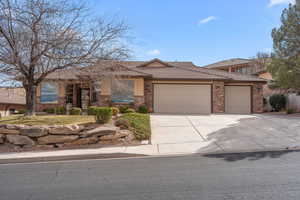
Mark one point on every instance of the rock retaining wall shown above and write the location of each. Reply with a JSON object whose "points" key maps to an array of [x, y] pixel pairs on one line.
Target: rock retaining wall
{"points": [[22, 136]]}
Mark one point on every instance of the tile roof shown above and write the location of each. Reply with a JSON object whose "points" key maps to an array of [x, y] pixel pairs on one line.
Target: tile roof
{"points": [[12, 96], [229, 62], [166, 70]]}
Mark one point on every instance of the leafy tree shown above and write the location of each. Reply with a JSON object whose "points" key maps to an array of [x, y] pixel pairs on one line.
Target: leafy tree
{"points": [[285, 65]]}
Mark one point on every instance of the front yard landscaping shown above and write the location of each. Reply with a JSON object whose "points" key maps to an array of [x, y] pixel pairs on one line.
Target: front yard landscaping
{"points": [[100, 126], [140, 124]]}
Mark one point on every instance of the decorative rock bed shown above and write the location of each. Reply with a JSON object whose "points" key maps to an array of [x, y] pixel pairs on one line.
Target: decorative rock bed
{"points": [[22, 136]]}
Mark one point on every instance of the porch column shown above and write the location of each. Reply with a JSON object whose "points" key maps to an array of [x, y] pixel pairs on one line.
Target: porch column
{"points": [[74, 95]]}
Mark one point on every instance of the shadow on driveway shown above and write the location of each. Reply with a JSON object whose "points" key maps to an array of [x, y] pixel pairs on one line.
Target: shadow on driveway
{"points": [[251, 156]]}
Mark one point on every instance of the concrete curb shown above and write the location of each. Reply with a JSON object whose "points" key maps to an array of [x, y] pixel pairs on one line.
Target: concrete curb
{"points": [[109, 156]]}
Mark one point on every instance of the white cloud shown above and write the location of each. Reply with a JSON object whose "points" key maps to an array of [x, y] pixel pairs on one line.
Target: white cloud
{"points": [[153, 52], [276, 2], [207, 19]]}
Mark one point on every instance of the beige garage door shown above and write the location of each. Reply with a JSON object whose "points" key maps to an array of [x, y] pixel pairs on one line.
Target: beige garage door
{"points": [[182, 99], [238, 99]]}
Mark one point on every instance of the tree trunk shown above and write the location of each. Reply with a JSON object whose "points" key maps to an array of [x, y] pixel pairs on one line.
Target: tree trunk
{"points": [[30, 99]]}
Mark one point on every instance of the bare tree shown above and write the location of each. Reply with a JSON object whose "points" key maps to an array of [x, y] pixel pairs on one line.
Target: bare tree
{"points": [[38, 37]]}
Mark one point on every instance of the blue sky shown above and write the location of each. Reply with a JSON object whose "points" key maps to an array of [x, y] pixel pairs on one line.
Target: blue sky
{"points": [[202, 31]]}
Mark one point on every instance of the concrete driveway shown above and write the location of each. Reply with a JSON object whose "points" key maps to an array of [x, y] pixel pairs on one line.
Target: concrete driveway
{"points": [[224, 133]]}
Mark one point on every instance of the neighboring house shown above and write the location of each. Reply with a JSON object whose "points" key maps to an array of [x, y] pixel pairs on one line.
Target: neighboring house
{"points": [[164, 87], [245, 66], [11, 100]]}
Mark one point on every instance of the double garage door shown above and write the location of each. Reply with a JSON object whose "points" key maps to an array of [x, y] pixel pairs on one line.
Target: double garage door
{"points": [[197, 99]]}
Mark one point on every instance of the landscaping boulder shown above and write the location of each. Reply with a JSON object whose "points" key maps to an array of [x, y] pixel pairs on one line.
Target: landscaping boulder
{"points": [[100, 131], [34, 131], [1, 138], [119, 134], [20, 140], [53, 139], [85, 141], [15, 127], [65, 130], [9, 132]]}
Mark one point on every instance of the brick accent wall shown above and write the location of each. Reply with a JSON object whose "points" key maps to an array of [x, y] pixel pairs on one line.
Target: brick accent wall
{"points": [[148, 92], [218, 97], [104, 100], [41, 106], [257, 98], [138, 101]]}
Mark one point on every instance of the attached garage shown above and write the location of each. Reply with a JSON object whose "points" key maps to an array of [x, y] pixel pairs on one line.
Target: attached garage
{"points": [[238, 99], [182, 98]]}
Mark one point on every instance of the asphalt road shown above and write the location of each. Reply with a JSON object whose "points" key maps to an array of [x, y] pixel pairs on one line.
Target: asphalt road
{"points": [[236, 177]]}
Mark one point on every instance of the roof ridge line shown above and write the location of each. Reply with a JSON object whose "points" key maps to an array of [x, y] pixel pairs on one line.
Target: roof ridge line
{"points": [[203, 72]]}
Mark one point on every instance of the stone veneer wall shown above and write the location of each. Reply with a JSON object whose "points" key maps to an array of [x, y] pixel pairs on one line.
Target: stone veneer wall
{"points": [[148, 93], [138, 101], [20, 136], [257, 98], [104, 100], [218, 97]]}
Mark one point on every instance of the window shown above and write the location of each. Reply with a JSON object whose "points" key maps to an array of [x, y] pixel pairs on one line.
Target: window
{"points": [[49, 93], [122, 91]]}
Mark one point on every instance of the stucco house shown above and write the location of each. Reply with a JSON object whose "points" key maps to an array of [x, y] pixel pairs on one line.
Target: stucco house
{"points": [[11, 100], [164, 87], [248, 67]]}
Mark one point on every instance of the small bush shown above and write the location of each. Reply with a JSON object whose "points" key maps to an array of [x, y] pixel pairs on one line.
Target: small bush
{"points": [[103, 114], [49, 110], [122, 123], [123, 109], [139, 124], [92, 110], [22, 111], [290, 111], [130, 110], [115, 111], [278, 102], [60, 110], [143, 109], [75, 111]]}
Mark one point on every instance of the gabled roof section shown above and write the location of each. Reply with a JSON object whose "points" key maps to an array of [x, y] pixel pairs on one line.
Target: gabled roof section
{"points": [[229, 62], [155, 63]]}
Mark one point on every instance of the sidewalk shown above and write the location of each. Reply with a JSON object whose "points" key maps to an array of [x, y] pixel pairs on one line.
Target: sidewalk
{"points": [[143, 150]]}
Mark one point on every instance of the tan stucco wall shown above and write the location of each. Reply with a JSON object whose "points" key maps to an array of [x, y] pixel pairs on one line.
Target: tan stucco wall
{"points": [[266, 75], [106, 87], [139, 87]]}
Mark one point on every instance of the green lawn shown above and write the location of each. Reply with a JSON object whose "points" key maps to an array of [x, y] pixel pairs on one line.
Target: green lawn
{"points": [[140, 124], [47, 119]]}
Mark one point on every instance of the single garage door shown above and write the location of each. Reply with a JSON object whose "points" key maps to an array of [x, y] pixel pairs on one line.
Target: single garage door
{"points": [[238, 99], [182, 99]]}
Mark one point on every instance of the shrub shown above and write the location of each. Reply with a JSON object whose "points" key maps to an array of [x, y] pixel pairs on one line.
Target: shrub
{"points": [[130, 110], [92, 110], [139, 124], [115, 111], [143, 109], [75, 111], [123, 109], [122, 123], [278, 102], [103, 114], [60, 110], [22, 111], [290, 111], [49, 110]]}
